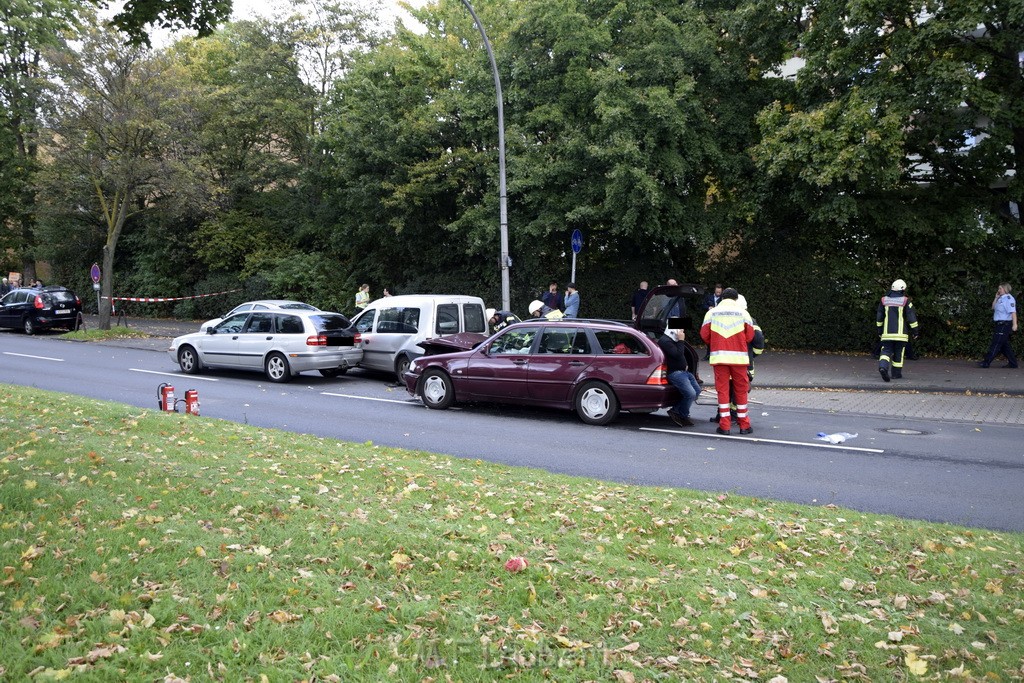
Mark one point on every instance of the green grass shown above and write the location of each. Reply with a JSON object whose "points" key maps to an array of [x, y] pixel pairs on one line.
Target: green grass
{"points": [[138, 545], [116, 332]]}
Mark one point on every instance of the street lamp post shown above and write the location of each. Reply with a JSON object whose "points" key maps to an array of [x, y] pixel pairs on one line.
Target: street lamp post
{"points": [[502, 198]]}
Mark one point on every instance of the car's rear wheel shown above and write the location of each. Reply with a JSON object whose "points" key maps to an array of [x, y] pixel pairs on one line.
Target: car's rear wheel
{"points": [[277, 369], [29, 325], [188, 360], [436, 389], [402, 364], [596, 403], [333, 372]]}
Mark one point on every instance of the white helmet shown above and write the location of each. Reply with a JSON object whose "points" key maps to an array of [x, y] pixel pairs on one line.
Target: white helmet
{"points": [[489, 313], [742, 301], [899, 286], [535, 306]]}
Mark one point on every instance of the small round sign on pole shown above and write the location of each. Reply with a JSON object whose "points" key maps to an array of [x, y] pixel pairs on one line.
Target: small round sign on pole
{"points": [[577, 244], [577, 240]]}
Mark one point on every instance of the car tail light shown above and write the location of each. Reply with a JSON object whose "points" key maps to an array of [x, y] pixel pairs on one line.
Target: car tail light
{"points": [[78, 302], [358, 339], [39, 302], [659, 376], [319, 340]]}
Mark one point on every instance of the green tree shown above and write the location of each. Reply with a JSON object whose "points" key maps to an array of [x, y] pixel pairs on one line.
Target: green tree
{"points": [[26, 30], [900, 149], [120, 141], [135, 17]]}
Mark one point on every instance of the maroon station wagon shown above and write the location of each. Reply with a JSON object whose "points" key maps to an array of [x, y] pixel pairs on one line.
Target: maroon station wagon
{"points": [[596, 368]]}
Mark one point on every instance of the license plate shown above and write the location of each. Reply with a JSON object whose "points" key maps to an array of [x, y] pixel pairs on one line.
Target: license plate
{"points": [[64, 312]]}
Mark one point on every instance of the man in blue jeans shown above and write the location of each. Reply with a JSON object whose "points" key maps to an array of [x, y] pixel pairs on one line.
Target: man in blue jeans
{"points": [[679, 375]]}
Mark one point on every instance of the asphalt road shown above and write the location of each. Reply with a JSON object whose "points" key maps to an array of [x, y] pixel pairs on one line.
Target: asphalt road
{"points": [[944, 471]]}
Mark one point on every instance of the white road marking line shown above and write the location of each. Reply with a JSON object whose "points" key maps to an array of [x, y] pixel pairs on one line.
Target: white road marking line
{"points": [[754, 438], [25, 355], [175, 374], [367, 398]]}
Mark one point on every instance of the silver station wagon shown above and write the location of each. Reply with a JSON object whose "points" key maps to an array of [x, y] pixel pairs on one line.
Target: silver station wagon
{"points": [[281, 344]]}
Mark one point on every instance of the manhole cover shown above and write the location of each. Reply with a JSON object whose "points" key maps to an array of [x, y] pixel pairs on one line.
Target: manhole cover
{"points": [[904, 432]]}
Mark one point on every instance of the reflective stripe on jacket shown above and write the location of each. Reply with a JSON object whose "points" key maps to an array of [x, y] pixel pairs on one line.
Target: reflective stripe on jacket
{"points": [[728, 330], [895, 317]]}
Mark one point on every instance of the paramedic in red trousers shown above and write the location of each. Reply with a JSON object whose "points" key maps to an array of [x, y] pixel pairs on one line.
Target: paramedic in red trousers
{"points": [[896, 320], [727, 330]]}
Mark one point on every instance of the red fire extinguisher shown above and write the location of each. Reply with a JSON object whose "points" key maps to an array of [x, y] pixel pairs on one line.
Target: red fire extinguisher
{"points": [[165, 398], [192, 402]]}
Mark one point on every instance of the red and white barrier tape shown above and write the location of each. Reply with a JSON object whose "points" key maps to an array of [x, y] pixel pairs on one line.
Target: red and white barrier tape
{"points": [[158, 299]]}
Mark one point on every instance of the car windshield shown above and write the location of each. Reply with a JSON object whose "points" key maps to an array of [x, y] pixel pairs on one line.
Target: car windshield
{"points": [[330, 323]]}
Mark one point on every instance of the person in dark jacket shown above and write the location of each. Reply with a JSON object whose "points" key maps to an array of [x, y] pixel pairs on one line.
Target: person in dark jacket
{"points": [[499, 320], [680, 375], [553, 298], [637, 299], [896, 320]]}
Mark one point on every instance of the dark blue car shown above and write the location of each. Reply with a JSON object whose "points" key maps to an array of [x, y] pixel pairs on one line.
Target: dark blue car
{"points": [[32, 309]]}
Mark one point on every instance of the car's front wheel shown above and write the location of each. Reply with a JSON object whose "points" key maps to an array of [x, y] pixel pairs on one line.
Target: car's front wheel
{"points": [[29, 325], [277, 369], [596, 403], [436, 389], [188, 360]]}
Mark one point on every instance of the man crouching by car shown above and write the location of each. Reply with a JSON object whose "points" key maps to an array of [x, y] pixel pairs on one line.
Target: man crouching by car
{"points": [[680, 375]]}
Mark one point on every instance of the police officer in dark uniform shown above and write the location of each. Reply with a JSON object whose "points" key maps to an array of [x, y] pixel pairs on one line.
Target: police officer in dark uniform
{"points": [[1004, 315]]}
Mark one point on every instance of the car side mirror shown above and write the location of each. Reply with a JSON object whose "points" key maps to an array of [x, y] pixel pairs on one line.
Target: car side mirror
{"points": [[211, 330]]}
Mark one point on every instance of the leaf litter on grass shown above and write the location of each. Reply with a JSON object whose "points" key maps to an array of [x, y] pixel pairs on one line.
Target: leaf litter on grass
{"points": [[140, 544]]}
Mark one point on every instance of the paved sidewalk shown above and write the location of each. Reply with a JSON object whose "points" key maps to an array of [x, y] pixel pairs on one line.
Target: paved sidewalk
{"points": [[932, 388]]}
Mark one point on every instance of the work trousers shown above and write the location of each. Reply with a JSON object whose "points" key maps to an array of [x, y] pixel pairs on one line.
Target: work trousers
{"points": [[736, 376], [1001, 343], [892, 354]]}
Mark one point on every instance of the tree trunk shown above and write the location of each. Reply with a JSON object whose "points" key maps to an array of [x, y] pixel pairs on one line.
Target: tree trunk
{"points": [[116, 212]]}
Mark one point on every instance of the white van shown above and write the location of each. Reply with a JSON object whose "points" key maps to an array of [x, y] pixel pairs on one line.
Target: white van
{"points": [[392, 328]]}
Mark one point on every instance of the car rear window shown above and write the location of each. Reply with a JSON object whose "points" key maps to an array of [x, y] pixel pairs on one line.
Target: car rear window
{"points": [[614, 341], [62, 296], [447, 319], [473, 318], [330, 323]]}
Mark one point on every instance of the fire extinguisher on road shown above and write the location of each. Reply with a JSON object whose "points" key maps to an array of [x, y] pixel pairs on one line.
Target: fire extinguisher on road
{"points": [[165, 398], [192, 402]]}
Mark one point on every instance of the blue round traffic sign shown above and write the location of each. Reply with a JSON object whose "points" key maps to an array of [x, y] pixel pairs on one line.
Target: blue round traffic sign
{"points": [[577, 241], [94, 272]]}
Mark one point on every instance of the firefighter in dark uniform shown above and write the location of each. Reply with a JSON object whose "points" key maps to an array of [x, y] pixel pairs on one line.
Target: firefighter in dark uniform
{"points": [[499, 320], [897, 321]]}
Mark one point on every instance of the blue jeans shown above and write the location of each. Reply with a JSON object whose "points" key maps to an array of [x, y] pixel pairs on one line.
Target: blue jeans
{"points": [[687, 385]]}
